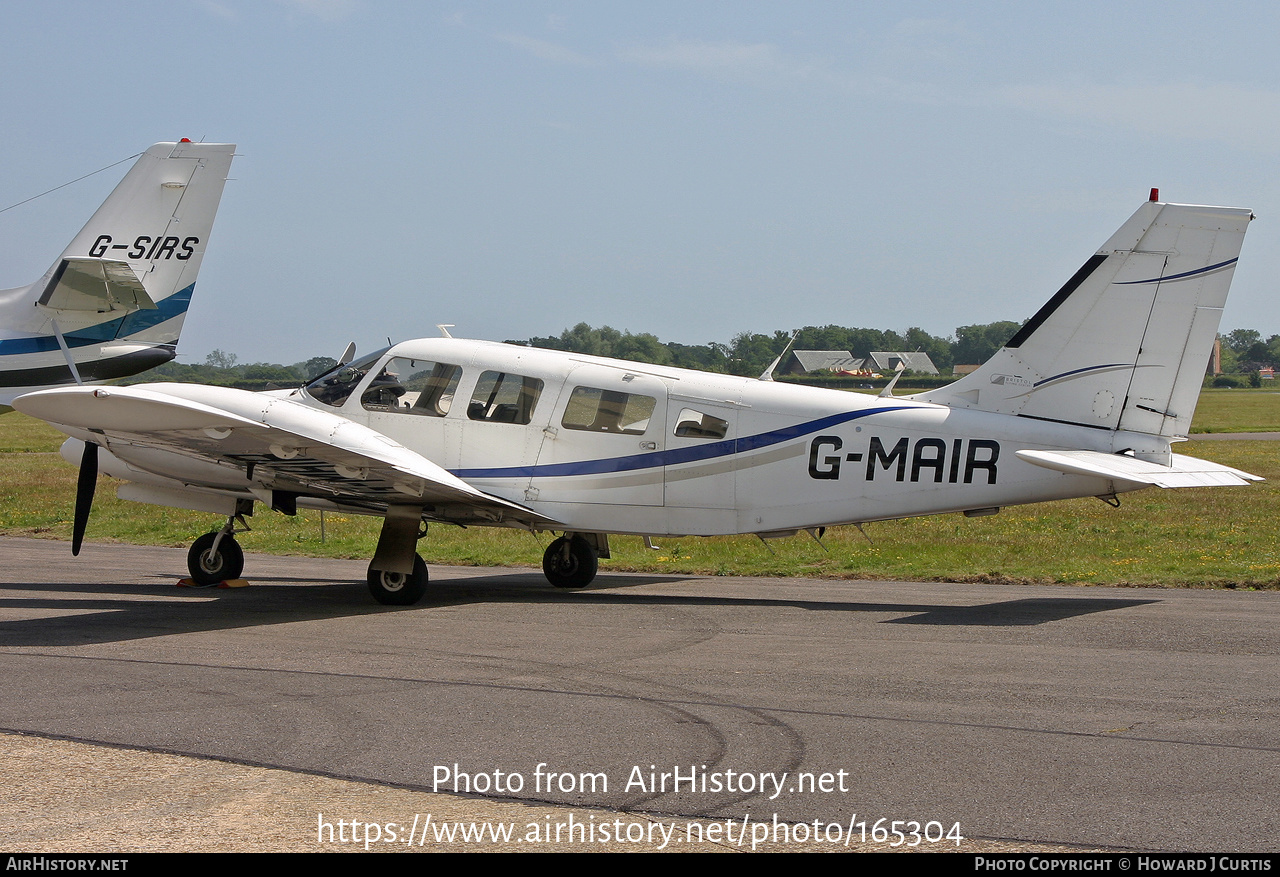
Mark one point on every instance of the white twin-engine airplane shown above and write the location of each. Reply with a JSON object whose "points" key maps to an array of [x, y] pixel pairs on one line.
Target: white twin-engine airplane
{"points": [[113, 303], [1085, 400]]}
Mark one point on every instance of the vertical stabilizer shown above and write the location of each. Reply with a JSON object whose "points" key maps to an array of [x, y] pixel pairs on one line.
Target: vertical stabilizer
{"points": [[114, 301], [154, 226], [1125, 342]]}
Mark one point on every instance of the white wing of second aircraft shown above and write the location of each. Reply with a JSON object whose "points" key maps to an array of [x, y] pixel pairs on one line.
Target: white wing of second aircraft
{"points": [[260, 441]]}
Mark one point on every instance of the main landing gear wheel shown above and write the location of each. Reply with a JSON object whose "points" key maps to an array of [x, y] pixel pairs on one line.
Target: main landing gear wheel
{"points": [[210, 568], [570, 562], [396, 588]]}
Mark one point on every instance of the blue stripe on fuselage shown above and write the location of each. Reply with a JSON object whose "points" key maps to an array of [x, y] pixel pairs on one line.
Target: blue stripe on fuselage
{"points": [[118, 329], [656, 459]]}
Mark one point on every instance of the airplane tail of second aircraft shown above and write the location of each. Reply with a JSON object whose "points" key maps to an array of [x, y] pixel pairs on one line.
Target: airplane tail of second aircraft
{"points": [[1125, 343], [113, 303]]}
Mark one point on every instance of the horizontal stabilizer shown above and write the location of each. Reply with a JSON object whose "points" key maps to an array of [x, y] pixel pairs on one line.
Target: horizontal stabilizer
{"points": [[1184, 472], [99, 285]]}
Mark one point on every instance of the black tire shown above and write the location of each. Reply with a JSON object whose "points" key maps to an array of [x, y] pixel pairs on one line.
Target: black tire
{"points": [[207, 568], [576, 570], [398, 589]]}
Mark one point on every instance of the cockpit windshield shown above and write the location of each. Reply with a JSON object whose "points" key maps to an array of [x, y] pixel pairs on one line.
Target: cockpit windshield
{"points": [[336, 385]]}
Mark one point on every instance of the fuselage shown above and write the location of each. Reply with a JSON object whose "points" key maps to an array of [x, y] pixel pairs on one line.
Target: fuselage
{"points": [[612, 446]]}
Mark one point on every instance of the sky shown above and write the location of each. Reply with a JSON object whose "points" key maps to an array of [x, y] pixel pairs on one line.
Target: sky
{"points": [[690, 169]]}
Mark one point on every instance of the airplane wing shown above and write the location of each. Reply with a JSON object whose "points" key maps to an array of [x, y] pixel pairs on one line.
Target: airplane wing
{"points": [[263, 442], [1184, 472]]}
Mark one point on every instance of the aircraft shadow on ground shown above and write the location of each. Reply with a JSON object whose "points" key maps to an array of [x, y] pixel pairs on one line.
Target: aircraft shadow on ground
{"points": [[83, 614], [1006, 613]]}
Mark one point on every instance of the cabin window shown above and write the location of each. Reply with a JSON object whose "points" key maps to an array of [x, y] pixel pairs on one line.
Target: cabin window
{"points": [[695, 424], [500, 397], [413, 386], [338, 383], [599, 410]]}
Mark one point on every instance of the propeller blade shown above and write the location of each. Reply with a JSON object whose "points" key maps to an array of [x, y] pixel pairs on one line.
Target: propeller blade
{"points": [[85, 486]]}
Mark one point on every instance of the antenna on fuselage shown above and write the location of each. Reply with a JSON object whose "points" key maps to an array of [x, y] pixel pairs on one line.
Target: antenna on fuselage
{"points": [[348, 354], [888, 388], [768, 373], [444, 329], [817, 533]]}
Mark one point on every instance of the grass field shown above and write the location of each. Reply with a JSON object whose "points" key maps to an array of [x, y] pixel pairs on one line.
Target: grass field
{"points": [[1205, 537], [1237, 411]]}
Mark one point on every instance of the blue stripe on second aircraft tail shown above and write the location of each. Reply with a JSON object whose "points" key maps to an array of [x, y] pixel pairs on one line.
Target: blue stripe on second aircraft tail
{"points": [[108, 330], [656, 459]]}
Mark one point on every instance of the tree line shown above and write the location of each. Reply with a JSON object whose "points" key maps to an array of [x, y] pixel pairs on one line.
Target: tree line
{"points": [[1244, 352], [749, 354], [224, 369]]}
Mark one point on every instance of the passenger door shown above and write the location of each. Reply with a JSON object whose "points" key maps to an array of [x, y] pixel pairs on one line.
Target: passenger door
{"points": [[604, 442]]}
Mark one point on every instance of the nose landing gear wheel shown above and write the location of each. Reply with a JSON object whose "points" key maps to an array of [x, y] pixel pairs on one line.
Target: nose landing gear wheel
{"points": [[397, 588], [570, 562], [210, 568]]}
